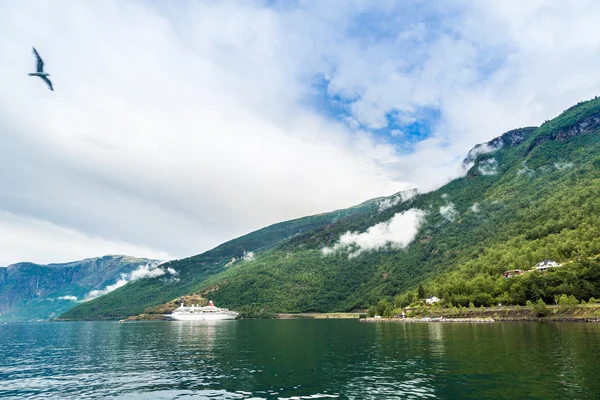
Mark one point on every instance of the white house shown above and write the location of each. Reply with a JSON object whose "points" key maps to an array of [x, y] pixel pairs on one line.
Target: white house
{"points": [[432, 300], [545, 264]]}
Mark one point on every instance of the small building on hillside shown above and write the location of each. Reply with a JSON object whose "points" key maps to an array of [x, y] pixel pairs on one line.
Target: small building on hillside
{"points": [[544, 265], [512, 273], [432, 300]]}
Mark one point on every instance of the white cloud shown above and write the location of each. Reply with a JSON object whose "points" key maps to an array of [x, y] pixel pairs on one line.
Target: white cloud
{"points": [[449, 212], [150, 270], [24, 238], [482, 148], [475, 207], [525, 170], [393, 201], [68, 298], [248, 256], [97, 293], [398, 232], [173, 132], [191, 104], [488, 167], [561, 166]]}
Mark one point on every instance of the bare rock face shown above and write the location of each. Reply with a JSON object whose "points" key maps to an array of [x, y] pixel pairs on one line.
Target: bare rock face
{"points": [[590, 124], [509, 139]]}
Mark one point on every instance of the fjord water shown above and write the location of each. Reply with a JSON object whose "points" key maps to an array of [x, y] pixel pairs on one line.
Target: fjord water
{"points": [[299, 359]]}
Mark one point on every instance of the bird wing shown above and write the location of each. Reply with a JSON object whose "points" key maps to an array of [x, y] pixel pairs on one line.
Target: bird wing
{"points": [[40, 63], [45, 78]]}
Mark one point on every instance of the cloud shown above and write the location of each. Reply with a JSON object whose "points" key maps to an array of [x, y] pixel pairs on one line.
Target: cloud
{"points": [[171, 271], [263, 99], [397, 233], [475, 207], [393, 201], [157, 157], [248, 256], [488, 167], [25, 238], [150, 270], [68, 298], [97, 293], [482, 148], [561, 166], [449, 212], [525, 170]]}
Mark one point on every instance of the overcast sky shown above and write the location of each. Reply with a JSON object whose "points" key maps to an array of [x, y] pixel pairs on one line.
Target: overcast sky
{"points": [[175, 126]]}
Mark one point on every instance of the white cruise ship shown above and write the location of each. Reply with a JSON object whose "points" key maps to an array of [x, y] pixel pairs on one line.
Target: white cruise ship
{"points": [[197, 313]]}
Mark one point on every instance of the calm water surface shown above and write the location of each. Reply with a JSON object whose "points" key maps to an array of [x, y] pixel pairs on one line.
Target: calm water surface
{"points": [[299, 359]]}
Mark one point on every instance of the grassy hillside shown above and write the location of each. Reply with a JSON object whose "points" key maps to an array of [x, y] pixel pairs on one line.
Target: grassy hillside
{"points": [[534, 195], [192, 272]]}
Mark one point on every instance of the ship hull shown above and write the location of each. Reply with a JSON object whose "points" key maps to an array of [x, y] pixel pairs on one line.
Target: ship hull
{"points": [[201, 317]]}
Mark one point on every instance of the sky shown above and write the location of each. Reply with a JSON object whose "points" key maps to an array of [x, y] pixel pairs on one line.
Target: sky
{"points": [[175, 126]]}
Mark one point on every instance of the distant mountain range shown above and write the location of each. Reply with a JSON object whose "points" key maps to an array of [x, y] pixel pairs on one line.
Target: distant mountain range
{"points": [[528, 195], [31, 292]]}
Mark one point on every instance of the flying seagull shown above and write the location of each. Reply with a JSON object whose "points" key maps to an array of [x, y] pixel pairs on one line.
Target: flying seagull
{"points": [[40, 70]]}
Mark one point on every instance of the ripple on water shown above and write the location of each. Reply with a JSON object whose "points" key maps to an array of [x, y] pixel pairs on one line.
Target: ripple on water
{"points": [[298, 360]]}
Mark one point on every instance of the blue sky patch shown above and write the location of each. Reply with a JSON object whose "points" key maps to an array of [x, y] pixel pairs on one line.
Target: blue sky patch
{"points": [[403, 128]]}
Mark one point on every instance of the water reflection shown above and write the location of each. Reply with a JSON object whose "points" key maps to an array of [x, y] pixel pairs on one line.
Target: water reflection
{"points": [[436, 339], [201, 332], [298, 359]]}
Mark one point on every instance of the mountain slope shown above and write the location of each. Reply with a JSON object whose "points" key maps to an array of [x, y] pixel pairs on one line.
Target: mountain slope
{"points": [[31, 291], [531, 194], [192, 272]]}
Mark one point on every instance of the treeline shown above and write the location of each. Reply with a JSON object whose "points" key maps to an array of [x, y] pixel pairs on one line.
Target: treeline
{"points": [[579, 281], [521, 218], [540, 201], [545, 204]]}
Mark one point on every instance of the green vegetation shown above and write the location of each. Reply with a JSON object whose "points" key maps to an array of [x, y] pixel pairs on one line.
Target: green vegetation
{"points": [[534, 311], [540, 201], [252, 311], [421, 292], [31, 292], [540, 309], [192, 273]]}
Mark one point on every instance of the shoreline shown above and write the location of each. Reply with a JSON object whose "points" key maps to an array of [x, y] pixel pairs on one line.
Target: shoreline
{"points": [[333, 315], [479, 320], [552, 313], [429, 320], [581, 313]]}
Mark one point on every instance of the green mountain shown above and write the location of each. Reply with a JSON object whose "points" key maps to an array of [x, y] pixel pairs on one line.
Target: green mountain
{"points": [[192, 272], [31, 292], [528, 195]]}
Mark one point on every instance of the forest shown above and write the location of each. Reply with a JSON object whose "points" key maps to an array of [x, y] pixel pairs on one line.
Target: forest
{"points": [[533, 195]]}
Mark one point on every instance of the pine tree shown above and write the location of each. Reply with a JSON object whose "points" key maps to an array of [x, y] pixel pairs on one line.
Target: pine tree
{"points": [[421, 293]]}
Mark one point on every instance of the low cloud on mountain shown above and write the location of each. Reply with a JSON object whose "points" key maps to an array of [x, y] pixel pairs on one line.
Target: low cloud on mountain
{"points": [[68, 298], [150, 270], [393, 201], [488, 167], [397, 233], [449, 212]]}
